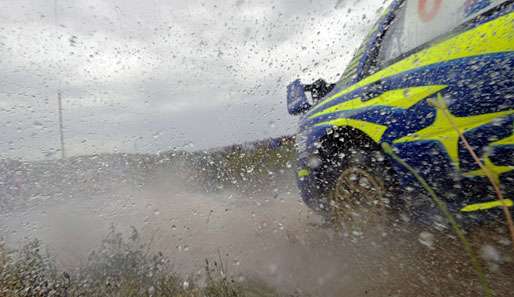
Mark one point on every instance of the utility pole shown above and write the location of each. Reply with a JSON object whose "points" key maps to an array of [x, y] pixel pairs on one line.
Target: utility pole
{"points": [[61, 126], [59, 97]]}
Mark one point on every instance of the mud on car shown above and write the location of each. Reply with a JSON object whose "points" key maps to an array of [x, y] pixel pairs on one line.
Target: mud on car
{"points": [[428, 72]]}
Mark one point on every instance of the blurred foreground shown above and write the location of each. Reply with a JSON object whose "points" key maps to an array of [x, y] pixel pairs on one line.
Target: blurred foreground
{"points": [[236, 207]]}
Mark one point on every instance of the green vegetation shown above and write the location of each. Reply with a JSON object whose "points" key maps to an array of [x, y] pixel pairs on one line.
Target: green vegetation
{"points": [[246, 169], [441, 205], [120, 267]]}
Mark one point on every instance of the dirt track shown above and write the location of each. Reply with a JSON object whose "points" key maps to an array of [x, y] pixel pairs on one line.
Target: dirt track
{"points": [[272, 237]]}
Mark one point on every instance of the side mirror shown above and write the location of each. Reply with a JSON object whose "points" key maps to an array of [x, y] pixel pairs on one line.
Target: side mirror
{"points": [[297, 101]]}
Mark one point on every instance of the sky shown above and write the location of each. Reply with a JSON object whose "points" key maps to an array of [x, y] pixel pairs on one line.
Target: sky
{"points": [[156, 75]]}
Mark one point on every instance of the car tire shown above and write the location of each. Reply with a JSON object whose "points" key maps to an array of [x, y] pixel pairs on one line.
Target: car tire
{"points": [[361, 190]]}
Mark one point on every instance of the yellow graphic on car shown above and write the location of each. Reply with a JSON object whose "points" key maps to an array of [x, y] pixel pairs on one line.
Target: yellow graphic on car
{"points": [[400, 98], [487, 205], [492, 37], [505, 141], [495, 170], [442, 131], [374, 131]]}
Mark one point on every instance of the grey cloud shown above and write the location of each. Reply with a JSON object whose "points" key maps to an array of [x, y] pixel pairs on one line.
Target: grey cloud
{"points": [[153, 75]]}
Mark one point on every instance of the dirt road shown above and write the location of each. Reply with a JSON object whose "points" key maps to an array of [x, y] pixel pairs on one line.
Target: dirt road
{"points": [[272, 237]]}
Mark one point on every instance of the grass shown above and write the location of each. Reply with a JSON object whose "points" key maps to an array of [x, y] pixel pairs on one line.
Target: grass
{"points": [[441, 205], [126, 267], [121, 267], [440, 103], [247, 170]]}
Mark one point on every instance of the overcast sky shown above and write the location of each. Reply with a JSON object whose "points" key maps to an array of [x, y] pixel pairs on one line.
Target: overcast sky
{"points": [[153, 75]]}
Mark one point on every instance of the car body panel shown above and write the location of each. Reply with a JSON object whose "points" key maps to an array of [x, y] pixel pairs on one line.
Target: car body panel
{"points": [[471, 70]]}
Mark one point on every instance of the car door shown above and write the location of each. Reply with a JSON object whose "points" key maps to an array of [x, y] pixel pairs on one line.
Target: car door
{"points": [[443, 72]]}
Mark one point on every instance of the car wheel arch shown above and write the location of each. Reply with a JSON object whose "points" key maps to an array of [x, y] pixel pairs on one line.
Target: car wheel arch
{"points": [[340, 138], [336, 143]]}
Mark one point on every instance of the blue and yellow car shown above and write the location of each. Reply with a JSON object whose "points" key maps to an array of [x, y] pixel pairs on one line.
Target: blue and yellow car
{"points": [[434, 80]]}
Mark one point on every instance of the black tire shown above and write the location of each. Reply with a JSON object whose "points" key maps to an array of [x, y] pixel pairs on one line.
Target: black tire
{"points": [[360, 188]]}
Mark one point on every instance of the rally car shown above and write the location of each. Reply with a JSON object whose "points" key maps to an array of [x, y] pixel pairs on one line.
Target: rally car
{"points": [[419, 52]]}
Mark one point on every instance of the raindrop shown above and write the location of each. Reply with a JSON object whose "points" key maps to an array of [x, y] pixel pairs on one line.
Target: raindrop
{"points": [[38, 125], [185, 285], [490, 253], [426, 239], [151, 291]]}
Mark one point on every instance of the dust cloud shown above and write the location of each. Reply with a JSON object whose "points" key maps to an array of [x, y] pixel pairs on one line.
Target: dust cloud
{"points": [[270, 236]]}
